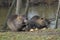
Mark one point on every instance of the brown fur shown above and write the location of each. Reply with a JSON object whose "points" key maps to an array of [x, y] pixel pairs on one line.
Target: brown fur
{"points": [[15, 23]]}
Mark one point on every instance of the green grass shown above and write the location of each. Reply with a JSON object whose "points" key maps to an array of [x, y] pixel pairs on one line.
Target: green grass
{"points": [[37, 35]]}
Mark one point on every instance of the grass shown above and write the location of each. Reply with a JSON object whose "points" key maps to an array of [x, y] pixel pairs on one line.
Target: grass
{"points": [[37, 35]]}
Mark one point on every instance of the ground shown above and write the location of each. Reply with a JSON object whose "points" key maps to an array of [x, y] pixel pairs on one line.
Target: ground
{"points": [[48, 34]]}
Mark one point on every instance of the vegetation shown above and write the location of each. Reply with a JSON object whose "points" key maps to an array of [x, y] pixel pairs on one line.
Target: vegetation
{"points": [[37, 35]]}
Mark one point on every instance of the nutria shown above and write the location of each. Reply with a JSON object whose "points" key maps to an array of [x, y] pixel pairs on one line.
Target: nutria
{"points": [[16, 23]]}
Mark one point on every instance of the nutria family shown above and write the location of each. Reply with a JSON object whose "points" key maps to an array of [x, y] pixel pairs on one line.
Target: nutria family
{"points": [[18, 23]]}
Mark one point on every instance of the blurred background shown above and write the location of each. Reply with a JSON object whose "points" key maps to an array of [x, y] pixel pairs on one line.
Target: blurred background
{"points": [[44, 8]]}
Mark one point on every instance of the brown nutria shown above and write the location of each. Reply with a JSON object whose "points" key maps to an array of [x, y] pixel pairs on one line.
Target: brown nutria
{"points": [[16, 23], [37, 22]]}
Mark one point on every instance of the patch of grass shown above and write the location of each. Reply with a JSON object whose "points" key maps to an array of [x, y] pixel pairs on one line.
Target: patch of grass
{"points": [[48, 34], [27, 36]]}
